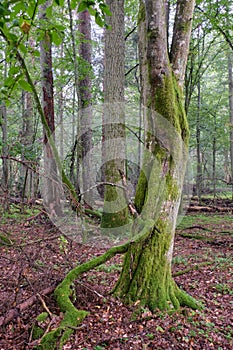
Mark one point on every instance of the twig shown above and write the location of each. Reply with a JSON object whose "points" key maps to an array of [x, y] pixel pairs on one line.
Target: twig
{"points": [[196, 226], [91, 290], [193, 268], [131, 206], [39, 240], [44, 305]]}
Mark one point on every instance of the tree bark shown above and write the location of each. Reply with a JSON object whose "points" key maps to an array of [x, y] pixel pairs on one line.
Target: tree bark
{"points": [[146, 274], [115, 211], [85, 111], [4, 153], [50, 184], [230, 82]]}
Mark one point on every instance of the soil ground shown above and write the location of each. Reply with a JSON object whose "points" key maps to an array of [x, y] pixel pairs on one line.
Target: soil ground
{"points": [[34, 256]]}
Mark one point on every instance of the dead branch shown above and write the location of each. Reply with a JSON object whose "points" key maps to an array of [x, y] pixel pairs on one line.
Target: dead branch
{"points": [[196, 226], [197, 208], [193, 268], [13, 313], [131, 206]]}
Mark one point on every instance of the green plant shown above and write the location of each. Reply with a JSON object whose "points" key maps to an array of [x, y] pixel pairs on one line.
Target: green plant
{"points": [[179, 260], [109, 268], [150, 336], [63, 244], [224, 288], [192, 333]]}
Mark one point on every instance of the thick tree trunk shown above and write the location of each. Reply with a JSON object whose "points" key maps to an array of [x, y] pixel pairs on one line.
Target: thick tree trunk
{"points": [[115, 211], [146, 274]]}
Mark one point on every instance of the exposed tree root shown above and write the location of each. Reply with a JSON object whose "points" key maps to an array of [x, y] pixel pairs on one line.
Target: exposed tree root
{"points": [[73, 317]]}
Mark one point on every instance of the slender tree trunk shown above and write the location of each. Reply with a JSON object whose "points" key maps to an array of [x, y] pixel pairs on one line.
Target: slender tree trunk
{"points": [[61, 112], [146, 274], [5, 165], [199, 175], [230, 82], [26, 141], [214, 152], [77, 92], [50, 185], [115, 211], [85, 112]]}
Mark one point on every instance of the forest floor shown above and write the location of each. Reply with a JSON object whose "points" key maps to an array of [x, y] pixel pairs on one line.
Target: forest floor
{"points": [[34, 256]]}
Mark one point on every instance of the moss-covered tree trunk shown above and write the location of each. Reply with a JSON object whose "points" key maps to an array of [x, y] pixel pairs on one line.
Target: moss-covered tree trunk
{"points": [[146, 274]]}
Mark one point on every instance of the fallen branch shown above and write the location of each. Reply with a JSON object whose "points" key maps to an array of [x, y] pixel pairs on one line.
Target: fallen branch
{"points": [[193, 268], [15, 312], [194, 236], [198, 208], [196, 226]]}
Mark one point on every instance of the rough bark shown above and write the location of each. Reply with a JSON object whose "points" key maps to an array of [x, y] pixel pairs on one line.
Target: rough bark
{"points": [[115, 211], [146, 274], [50, 187], [199, 176], [230, 82], [28, 187], [4, 153], [85, 113]]}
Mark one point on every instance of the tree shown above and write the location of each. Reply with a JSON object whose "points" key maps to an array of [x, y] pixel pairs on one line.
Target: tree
{"points": [[115, 211], [146, 273], [4, 153], [50, 186], [85, 94], [230, 82]]}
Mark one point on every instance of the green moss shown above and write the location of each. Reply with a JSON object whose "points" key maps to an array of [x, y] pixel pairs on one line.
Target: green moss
{"points": [[172, 189], [141, 192], [37, 332], [42, 317], [72, 316], [141, 13], [115, 211], [50, 340]]}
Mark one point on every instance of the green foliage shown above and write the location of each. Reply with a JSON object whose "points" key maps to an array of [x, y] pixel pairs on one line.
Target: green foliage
{"points": [[42, 317], [5, 240], [63, 244]]}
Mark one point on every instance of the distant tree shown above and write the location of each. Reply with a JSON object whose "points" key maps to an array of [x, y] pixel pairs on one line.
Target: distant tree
{"points": [[230, 83]]}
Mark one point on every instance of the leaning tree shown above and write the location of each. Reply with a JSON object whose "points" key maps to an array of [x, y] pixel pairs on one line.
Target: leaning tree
{"points": [[146, 273]]}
